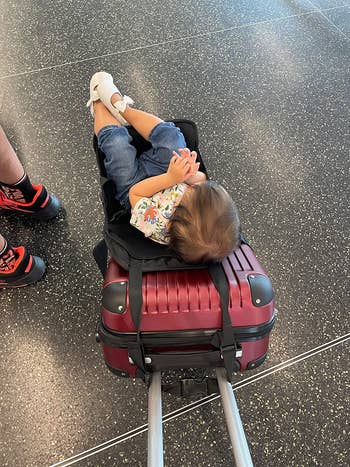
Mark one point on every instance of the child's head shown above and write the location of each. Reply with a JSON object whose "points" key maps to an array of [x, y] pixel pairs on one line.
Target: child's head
{"points": [[205, 226]]}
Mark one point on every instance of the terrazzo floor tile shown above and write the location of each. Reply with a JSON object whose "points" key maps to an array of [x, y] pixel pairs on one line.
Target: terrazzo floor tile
{"points": [[39, 34], [295, 417], [322, 4], [272, 104], [341, 18]]}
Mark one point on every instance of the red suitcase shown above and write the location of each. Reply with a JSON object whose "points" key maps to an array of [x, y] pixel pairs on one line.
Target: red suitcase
{"points": [[181, 313]]}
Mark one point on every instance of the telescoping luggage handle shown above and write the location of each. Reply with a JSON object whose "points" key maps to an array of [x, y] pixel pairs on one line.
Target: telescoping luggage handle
{"points": [[235, 428]]}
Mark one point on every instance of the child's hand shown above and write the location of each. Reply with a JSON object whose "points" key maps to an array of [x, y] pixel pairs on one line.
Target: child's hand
{"points": [[191, 156], [179, 169]]}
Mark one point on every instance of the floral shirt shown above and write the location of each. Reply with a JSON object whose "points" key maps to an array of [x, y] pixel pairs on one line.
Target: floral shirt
{"points": [[151, 215]]}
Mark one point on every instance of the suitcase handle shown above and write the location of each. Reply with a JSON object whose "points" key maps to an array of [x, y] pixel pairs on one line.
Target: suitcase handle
{"points": [[186, 359]]}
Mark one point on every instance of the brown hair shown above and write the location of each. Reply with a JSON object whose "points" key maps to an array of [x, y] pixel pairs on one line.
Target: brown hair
{"points": [[205, 226]]}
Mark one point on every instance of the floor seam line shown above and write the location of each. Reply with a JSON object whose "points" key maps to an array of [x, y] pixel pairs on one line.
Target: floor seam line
{"points": [[169, 41], [182, 410], [321, 12]]}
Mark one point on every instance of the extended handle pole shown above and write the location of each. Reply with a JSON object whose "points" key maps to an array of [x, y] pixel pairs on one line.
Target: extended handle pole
{"points": [[155, 433], [234, 423]]}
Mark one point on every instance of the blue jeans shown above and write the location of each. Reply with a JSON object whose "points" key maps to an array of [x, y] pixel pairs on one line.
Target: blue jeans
{"points": [[122, 165]]}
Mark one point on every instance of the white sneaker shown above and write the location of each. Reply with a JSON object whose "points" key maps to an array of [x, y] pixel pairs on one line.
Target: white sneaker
{"points": [[103, 88]]}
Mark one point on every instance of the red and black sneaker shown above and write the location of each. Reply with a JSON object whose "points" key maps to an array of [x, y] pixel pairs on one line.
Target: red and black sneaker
{"points": [[19, 268], [43, 206]]}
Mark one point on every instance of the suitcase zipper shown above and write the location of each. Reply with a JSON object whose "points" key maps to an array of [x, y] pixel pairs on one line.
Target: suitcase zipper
{"points": [[178, 338]]}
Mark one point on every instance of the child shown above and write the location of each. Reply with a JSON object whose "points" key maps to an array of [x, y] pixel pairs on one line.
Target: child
{"points": [[171, 201]]}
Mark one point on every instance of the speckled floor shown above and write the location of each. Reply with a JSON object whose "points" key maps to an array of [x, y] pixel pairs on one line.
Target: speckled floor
{"points": [[267, 81]]}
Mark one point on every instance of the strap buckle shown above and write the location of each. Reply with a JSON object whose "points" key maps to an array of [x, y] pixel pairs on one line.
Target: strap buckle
{"points": [[236, 348]]}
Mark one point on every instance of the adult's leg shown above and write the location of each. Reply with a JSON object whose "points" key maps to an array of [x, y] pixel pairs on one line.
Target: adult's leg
{"points": [[17, 193], [11, 169], [17, 267], [13, 178]]}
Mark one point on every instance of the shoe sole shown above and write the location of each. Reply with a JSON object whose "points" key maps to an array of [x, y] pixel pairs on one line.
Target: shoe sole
{"points": [[37, 272], [49, 211]]}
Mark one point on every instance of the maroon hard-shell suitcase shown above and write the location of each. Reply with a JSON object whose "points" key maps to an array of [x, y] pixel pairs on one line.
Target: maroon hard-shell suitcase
{"points": [[181, 313]]}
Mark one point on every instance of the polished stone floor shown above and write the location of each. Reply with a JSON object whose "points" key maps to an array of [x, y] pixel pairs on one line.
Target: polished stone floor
{"points": [[267, 82]]}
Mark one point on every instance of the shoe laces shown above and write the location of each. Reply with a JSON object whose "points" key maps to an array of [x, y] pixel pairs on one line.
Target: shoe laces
{"points": [[7, 261], [11, 193]]}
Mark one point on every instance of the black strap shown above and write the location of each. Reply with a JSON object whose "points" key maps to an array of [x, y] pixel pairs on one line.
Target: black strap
{"points": [[100, 253], [135, 291], [225, 338], [137, 354], [136, 350]]}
